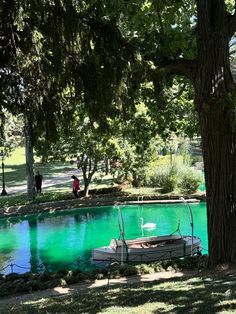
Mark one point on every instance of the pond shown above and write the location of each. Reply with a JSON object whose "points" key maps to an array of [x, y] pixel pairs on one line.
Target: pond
{"points": [[57, 241]]}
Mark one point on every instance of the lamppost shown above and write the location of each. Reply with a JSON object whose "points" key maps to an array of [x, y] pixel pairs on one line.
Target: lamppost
{"points": [[4, 192]]}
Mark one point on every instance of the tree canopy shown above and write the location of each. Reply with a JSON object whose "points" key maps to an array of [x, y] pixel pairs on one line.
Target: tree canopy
{"points": [[103, 52]]}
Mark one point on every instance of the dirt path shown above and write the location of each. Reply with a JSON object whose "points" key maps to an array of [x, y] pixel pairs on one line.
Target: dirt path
{"points": [[84, 287], [59, 179]]}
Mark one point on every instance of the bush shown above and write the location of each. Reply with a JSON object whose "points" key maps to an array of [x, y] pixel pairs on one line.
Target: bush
{"points": [[165, 178], [168, 183], [128, 270], [106, 190], [189, 181]]}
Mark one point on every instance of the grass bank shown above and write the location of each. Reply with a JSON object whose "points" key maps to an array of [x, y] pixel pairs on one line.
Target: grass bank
{"points": [[204, 293]]}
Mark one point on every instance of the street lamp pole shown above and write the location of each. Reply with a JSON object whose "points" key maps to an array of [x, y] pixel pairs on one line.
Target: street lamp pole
{"points": [[4, 192]]}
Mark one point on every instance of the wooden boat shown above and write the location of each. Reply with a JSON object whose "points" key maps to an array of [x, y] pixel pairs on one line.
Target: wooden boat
{"points": [[148, 249]]}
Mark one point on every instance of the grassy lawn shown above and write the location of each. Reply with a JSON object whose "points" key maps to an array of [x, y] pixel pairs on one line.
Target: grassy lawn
{"points": [[206, 294], [15, 175], [15, 172], [17, 157]]}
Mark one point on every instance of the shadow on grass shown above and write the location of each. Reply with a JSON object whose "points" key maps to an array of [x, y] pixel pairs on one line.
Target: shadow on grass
{"points": [[209, 294], [16, 174]]}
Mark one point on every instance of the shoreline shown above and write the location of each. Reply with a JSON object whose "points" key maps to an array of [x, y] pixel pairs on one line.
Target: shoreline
{"points": [[94, 201]]}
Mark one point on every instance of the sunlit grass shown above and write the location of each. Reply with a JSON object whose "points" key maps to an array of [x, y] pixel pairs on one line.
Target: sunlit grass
{"points": [[17, 157], [199, 294]]}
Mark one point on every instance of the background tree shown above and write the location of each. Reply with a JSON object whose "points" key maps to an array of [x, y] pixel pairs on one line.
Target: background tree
{"points": [[196, 45], [11, 131], [105, 50]]}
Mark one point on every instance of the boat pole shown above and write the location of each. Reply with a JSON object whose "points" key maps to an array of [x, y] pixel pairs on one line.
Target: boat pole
{"points": [[191, 220], [122, 235]]}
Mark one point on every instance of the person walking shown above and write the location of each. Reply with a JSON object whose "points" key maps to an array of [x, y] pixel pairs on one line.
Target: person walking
{"points": [[38, 182], [75, 186]]}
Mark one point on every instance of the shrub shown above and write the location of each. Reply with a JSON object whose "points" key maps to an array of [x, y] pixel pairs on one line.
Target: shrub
{"points": [[165, 178], [128, 270], [168, 183], [145, 269], [105, 190], [189, 181]]}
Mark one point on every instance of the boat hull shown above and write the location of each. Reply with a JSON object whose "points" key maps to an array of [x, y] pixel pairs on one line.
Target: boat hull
{"points": [[148, 249]]}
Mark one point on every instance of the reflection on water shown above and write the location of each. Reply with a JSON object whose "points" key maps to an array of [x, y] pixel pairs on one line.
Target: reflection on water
{"points": [[58, 239], [33, 237]]}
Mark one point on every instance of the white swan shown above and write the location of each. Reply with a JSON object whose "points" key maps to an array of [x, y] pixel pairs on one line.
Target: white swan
{"points": [[148, 225]]}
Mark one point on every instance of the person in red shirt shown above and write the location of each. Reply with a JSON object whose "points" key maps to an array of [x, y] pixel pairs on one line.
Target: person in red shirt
{"points": [[75, 186]]}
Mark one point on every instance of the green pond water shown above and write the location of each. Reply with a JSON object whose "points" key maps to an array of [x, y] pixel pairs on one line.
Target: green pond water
{"points": [[58, 240]]}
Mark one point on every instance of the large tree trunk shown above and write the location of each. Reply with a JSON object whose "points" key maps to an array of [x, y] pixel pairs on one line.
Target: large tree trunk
{"points": [[214, 88], [215, 103], [88, 170], [107, 165], [219, 148], [29, 156]]}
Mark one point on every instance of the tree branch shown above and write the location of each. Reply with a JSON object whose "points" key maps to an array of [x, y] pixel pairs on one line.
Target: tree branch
{"points": [[178, 94], [182, 67]]}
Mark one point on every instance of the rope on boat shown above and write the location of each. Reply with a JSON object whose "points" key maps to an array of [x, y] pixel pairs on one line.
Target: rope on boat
{"points": [[177, 230]]}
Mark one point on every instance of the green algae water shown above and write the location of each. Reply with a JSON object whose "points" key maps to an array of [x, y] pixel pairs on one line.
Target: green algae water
{"points": [[59, 240]]}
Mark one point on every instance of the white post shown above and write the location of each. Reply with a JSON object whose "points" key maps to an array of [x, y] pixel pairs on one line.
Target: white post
{"points": [[191, 222], [122, 235]]}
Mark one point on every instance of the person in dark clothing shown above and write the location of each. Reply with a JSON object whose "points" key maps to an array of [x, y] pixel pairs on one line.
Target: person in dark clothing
{"points": [[38, 182], [75, 186]]}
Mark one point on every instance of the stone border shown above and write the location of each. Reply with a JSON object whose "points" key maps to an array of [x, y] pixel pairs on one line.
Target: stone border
{"points": [[94, 201]]}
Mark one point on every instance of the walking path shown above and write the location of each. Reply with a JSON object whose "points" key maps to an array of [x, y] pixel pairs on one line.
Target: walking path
{"points": [[84, 287], [59, 179]]}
